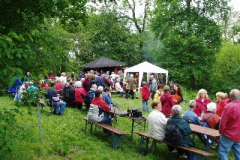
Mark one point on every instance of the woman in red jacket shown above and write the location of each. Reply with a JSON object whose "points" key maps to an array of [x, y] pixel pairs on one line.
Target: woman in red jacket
{"points": [[79, 94], [202, 101], [167, 102], [145, 97], [221, 102]]}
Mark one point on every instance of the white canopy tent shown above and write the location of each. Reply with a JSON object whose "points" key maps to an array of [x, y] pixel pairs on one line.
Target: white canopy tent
{"points": [[145, 67]]}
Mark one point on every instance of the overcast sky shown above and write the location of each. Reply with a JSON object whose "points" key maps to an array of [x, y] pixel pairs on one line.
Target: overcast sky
{"points": [[235, 4]]}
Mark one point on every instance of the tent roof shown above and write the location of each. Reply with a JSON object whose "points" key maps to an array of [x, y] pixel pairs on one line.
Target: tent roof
{"points": [[146, 67], [104, 62]]}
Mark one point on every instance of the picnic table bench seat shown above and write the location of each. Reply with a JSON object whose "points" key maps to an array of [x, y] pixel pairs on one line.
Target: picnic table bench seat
{"points": [[145, 137], [117, 134]]}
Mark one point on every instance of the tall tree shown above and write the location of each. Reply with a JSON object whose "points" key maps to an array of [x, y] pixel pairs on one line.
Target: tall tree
{"points": [[191, 37], [231, 26], [27, 43], [106, 35], [227, 68]]}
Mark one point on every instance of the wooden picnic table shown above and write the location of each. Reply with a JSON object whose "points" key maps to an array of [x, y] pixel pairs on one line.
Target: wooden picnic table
{"points": [[204, 130], [209, 132], [136, 121]]}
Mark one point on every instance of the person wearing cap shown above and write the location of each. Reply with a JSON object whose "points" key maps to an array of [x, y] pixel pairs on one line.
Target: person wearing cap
{"points": [[167, 102]]}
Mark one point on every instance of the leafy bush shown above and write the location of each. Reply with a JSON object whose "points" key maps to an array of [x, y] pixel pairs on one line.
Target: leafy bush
{"points": [[9, 131], [226, 69], [32, 97]]}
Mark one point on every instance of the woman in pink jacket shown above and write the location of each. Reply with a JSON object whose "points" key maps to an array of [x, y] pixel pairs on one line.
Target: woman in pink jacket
{"points": [[221, 102], [202, 101], [167, 102]]}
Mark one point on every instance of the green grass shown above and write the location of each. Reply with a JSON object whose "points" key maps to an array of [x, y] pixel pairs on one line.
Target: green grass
{"points": [[64, 136]]}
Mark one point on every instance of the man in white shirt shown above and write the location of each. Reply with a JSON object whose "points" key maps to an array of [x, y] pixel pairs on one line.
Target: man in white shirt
{"points": [[63, 78], [157, 121]]}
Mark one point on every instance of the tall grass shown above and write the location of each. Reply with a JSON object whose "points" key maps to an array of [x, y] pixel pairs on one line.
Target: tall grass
{"points": [[64, 136]]}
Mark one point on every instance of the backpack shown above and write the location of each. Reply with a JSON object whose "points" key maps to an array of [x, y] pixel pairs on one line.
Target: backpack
{"points": [[173, 134], [136, 113], [205, 121]]}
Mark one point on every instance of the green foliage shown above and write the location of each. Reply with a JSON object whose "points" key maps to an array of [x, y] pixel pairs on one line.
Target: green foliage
{"points": [[10, 130], [226, 68], [106, 35], [191, 38]]}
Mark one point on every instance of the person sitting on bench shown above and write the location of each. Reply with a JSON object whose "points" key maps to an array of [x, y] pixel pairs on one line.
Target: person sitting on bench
{"points": [[157, 121], [98, 111], [185, 131], [58, 104]]}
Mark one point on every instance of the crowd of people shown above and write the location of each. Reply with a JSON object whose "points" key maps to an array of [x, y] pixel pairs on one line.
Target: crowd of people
{"points": [[224, 115], [94, 90]]}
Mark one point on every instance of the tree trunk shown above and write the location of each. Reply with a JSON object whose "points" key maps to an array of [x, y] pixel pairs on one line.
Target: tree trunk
{"points": [[192, 82]]}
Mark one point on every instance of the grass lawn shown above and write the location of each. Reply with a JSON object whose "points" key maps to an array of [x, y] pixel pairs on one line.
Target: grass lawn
{"points": [[64, 136]]}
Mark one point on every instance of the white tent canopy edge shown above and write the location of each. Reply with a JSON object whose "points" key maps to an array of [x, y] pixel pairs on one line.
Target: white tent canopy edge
{"points": [[145, 67]]}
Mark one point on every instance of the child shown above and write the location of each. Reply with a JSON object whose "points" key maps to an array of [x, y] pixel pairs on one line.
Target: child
{"points": [[145, 97]]}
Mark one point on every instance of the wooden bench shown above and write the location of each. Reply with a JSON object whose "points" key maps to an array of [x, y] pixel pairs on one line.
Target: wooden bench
{"points": [[145, 137], [117, 134]]}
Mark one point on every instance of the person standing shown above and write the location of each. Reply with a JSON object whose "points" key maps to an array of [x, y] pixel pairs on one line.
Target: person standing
{"points": [[202, 101], [167, 102], [159, 92], [229, 127], [171, 85], [177, 94], [145, 97], [131, 85], [153, 85], [221, 102]]}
